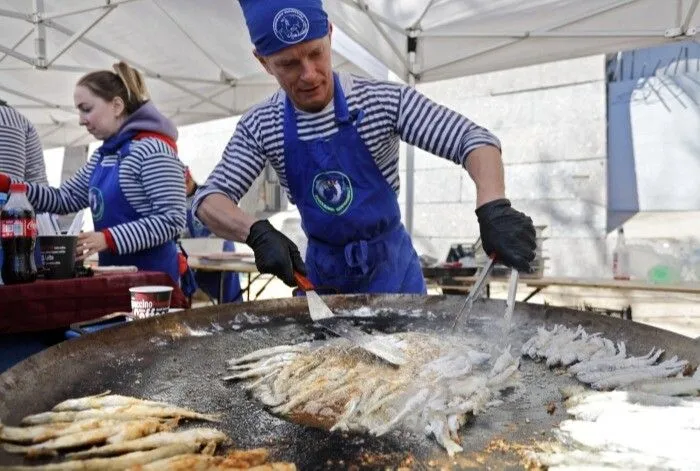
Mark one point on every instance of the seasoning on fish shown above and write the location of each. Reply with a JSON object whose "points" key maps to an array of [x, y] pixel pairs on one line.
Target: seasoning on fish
{"points": [[344, 388], [254, 460], [105, 400], [117, 463], [40, 433], [196, 435], [117, 413], [126, 430]]}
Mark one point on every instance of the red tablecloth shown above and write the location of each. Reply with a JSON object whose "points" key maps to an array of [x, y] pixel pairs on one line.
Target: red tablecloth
{"points": [[54, 304]]}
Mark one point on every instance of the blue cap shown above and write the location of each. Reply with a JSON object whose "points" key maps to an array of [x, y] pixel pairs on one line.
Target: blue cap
{"points": [[276, 24]]}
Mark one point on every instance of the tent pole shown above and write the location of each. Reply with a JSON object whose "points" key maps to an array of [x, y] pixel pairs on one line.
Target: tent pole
{"points": [[689, 16], [40, 39], [411, 46], [410, 174]]}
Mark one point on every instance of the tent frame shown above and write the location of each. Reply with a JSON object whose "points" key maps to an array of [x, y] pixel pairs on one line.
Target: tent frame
{"points": [[403, 43], [683, 30], [40, 22], [414, 33]]}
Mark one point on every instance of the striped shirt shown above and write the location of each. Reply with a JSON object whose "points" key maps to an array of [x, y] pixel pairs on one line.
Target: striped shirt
{"points": [[153, 182], [21, 155], [392, 112]]}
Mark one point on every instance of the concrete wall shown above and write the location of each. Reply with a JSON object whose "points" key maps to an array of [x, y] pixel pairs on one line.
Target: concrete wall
{"points": [[551, 120]]}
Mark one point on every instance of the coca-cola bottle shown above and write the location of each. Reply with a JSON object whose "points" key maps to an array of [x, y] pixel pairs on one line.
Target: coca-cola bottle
{"points": [[18, 233]]}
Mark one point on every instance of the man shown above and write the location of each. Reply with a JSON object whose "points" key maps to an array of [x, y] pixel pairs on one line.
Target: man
{"points": [[21, 155], [333, 140]]}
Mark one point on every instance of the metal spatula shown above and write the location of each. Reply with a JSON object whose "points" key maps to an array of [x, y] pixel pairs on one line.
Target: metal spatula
{"points": [[321, 314]]}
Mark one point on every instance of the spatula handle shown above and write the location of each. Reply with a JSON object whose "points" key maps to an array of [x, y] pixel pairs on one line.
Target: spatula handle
{"points": [[303, 282]]}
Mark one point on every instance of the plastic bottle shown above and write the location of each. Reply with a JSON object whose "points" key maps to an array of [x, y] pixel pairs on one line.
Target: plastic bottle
{"points": [[621, 257], [18, 233]]}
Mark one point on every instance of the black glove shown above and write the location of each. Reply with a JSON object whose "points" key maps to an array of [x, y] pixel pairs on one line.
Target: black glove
{"points": [[274, 252], [507, 233]]}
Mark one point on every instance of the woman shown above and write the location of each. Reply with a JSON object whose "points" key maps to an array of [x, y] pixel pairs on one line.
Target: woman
{"points": [[133, 183]]}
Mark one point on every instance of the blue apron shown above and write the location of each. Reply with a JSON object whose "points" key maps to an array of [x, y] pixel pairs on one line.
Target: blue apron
{"points": [[110, 207], [209, 282], [349, 212]]}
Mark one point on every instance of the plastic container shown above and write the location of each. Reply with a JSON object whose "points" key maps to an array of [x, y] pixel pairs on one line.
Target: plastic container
{"points": [[149, 301], [648, 263], [58, 256]]}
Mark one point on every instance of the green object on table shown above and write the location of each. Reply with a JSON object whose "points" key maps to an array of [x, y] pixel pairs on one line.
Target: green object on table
{"points": [[662, 274]]}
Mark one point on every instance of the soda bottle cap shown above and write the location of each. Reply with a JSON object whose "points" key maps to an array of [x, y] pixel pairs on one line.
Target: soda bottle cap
{"points": [[18, 187]]}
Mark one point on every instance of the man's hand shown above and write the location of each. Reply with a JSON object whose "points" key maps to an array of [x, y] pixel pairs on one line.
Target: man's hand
{"points": [[507, 233], [274, 252], [90, 243]]}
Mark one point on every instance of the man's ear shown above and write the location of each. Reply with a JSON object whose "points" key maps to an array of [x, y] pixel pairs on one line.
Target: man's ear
{"points": [[263, 61]]}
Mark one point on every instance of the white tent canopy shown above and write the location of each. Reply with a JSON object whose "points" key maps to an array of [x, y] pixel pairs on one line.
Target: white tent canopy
{"points": [[454, 38], [429, 40], [197, 58], [197, 55]]}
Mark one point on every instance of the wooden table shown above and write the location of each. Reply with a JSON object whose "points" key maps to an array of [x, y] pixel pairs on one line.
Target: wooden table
{"points": [[230, 266], [56, 304], [463, 283], [603, 283]]}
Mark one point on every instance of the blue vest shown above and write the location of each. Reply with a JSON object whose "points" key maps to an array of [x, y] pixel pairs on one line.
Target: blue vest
{"points": [[110, 207], [349, 212]]}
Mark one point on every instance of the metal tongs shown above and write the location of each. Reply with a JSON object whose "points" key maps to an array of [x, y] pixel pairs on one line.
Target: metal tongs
{"points": [[510, 300], [479, 287], [475, 292]]}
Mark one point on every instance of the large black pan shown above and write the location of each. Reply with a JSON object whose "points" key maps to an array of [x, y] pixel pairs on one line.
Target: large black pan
{"points": [[180, 357]]}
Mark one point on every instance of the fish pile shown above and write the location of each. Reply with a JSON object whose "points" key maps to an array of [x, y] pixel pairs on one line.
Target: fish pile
{"points": [[620, 430], [604, 364], [342, 387], [115, 432]]}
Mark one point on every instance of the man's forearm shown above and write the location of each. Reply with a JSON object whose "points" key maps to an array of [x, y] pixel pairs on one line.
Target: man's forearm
{"points": [[485, 167], [224, 218]]}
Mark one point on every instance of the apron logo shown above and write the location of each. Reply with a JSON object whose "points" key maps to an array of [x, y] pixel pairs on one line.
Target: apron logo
{"points": [[290, 25], [97, 203], [332, 192]]}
